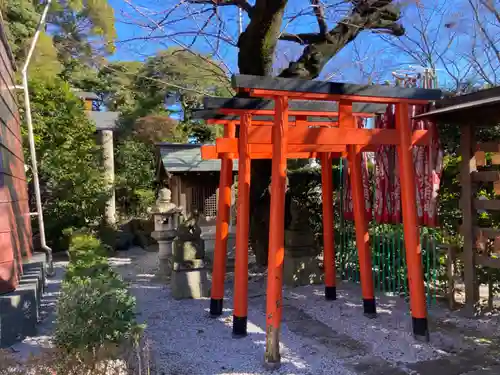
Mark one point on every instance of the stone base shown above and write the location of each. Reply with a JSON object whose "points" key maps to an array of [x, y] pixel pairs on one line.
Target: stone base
{"points": [[19, 309], [164, 268], [190, 284], [304, 270], [209, 238]]}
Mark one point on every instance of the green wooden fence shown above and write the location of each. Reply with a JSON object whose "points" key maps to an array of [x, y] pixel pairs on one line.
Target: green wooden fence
{"points": [[388, 255]]}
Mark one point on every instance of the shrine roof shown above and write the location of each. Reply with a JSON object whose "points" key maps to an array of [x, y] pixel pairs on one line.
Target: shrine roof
{"points": [[293, 105], [186, 157], [477, 108], [334, 88]]}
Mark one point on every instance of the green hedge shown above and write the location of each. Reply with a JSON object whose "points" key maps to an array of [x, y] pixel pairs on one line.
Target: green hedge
{"points": [[95, 309]]}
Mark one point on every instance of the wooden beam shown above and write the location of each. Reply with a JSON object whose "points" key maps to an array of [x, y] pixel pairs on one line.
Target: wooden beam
{"points": [[336, 136], [486, 176], [353, 92], [322, 122], [487, 232], [270, 112], [487, 261], [209, 152], [310, 107], [329, 97], [488, 147], [468, 165], [230, 145], [490, 204]]}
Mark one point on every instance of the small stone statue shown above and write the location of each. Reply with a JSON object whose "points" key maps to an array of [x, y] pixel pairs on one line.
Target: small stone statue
{"points": [[189, 277], [301, 263], [189, 229], [164, 201]]}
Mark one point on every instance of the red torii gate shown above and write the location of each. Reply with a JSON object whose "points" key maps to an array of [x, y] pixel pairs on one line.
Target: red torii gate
{"points": [[347, 138]]}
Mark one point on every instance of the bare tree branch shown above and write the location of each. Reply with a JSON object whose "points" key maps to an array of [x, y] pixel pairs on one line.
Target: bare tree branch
{"points": [[366, 15], [488, 4], [243, 4], [319, 11]]}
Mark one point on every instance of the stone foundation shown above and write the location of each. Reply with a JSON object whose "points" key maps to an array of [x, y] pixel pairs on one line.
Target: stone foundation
{"points": [[190, 281], [301, 264], [303, 270]]}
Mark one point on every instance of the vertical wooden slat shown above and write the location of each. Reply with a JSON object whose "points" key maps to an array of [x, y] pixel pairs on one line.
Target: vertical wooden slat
{"points": [[274, 298], [222, 227], [467, 143]]}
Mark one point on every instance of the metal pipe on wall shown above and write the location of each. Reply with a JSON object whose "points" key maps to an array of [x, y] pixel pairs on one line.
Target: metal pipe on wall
{"points": [[31, 139]]}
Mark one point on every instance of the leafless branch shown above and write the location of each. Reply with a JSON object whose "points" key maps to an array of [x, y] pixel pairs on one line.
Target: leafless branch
{"points": [[243, 4], [488, 4], [319, 11]]}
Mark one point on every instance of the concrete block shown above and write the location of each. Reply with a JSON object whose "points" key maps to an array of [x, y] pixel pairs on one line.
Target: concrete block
{"points": [[35, 276], [18, 314], [37, 261], [190, 284]]}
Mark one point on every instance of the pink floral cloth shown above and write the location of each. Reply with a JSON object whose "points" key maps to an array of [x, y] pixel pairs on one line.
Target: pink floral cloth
{"points": [[428, 161]]}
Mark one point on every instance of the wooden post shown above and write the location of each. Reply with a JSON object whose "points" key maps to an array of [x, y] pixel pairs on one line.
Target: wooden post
{"points": [[450, 272], [362, 235], [222, 227], [347, 120], [328, 230], [467, 141], [242, 228], [410, 224], [276, 233]]}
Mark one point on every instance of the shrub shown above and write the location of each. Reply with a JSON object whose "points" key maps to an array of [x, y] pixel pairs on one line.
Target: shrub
{"points": [[71, 176], [87, 258], [95, 310]]}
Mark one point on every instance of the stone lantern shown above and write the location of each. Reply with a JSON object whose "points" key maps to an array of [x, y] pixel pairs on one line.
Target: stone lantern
{"points": [[166, 220], [190, 274]]}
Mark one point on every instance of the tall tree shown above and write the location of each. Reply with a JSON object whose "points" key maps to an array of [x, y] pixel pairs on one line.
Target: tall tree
{"points": [[171, 77], [71, 177], [257, 47], [78, 33]]}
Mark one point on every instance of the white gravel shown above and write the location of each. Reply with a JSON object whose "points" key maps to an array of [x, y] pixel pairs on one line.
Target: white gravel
{"points": [[186, 341]]}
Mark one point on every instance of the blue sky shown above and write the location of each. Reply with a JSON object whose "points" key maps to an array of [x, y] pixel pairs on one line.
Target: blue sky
{"points": [[370, 55]]}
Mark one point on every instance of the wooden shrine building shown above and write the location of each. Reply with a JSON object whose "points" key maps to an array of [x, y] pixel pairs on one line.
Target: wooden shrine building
{"points": [[192, 180], [469, 114]]}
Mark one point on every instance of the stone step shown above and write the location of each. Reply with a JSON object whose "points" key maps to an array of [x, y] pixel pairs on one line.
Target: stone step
{"points": [[20, 309]]}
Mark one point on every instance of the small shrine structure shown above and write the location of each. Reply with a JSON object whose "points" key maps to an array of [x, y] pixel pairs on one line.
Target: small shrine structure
{"points": [[294, 131]]}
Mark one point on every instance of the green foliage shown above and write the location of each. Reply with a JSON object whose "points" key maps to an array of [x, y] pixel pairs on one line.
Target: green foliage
{"points": [[182, 75], [115, 84], [88, 258], [92, 312], [135, 175], [95, 308], [78, 33], [71, 176]]}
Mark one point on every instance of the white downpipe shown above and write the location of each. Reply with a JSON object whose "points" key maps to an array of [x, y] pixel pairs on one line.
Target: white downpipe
{"points": [[31, 138]]}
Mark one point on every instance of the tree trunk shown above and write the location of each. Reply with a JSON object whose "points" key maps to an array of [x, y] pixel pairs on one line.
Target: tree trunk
{"points": [[257, 46]]}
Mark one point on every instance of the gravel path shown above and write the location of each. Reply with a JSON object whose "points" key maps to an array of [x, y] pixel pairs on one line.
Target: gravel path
{"points": [[317, 337]]}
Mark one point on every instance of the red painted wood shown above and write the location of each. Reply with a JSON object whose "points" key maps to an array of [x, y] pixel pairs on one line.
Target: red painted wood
{"points": [[15, 223]]}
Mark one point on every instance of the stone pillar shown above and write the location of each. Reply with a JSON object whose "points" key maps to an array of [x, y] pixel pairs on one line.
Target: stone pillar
{"points": [[301, 264], [189, 274], [106, 141]]}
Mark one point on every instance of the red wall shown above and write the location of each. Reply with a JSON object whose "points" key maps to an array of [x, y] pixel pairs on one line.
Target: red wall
{"points": [[15, 225]]}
